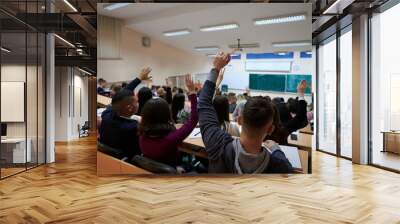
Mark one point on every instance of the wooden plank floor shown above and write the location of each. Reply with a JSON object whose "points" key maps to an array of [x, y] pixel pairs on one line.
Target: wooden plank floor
{"points": [[70, 192]]}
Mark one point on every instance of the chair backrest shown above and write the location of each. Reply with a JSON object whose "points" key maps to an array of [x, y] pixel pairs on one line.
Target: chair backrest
{"points": [[152, 166], [117, 153]]}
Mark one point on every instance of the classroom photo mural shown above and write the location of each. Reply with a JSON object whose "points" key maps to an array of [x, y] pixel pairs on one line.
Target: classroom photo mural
{"points": [[204, 92]]}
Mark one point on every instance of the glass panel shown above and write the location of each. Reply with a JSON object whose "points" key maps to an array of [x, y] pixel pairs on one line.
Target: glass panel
{"points": [[385, 84], [31, 98], [346, 94], [327, 97], [41, 98], [13, 86]]}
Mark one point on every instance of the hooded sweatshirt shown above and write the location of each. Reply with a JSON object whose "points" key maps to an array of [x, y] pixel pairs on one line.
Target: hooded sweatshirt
{"points": [[225, 153]]}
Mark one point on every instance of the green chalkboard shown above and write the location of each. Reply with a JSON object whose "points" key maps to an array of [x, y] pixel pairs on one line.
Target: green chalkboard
{"points": [[293, 80], [275, 83], [278, 82]]}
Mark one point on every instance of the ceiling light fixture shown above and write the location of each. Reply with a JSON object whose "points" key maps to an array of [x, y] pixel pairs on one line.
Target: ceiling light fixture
{"points": [[70, 5], [292, 44], [210, 48], [214, 55], [114, 6], [64, 40], [219, 27], [5, 50], [280, 20], [333, 6], [84, 71], [177, 32]]}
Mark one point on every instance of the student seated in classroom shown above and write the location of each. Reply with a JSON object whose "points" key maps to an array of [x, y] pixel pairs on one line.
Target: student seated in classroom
{"points": [[144, 94], [232, 102], [117, 129], [246, 154], [159, 139], [292, 116], [179, 114], [101, 85], [221, 106]]}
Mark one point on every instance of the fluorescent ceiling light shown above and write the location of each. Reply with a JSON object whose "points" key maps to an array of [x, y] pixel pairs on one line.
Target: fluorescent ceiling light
{"points": [[219, 27], [177, 32], [280, 20], [65, 41], [70, 5], [214, 55], [211, 48], [115, 6], [5, 50], [84, 71], [292, 44]]}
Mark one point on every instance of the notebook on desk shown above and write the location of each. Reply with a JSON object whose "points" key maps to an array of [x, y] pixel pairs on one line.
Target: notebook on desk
{"points": [[195, 133], [292, 154]]}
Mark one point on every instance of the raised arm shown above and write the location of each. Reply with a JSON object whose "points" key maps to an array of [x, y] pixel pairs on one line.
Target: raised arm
{"points": [[143, 76], [183, 132], [300, 120], [214, 137]]}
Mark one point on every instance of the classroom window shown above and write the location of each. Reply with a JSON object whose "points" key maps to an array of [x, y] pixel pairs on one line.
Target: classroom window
{"points": [[346, 93], [327, 96], [385, 89]]}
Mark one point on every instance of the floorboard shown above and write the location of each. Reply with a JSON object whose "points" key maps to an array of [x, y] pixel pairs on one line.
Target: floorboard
{"points": [[69, 191]]}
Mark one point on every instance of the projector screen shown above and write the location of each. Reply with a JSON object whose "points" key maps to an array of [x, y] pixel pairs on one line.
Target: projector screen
{"points": [[12, 101]]}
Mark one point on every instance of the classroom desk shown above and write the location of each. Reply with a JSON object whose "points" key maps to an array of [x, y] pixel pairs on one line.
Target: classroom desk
{"points": [[195, 146], [103, 101], [14, 152]]}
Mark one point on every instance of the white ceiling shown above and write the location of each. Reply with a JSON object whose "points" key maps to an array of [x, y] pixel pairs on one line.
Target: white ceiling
{"points": [[152, 19]]}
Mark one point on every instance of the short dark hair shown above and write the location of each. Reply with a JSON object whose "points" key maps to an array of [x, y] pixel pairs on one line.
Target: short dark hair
{"points": [[178, 103], [124, 84], [221, 106], [143, 95], [292, 105], [156, 119], [101, 80], [257, 112], [120, 97], [231, 94], [116, 88]]}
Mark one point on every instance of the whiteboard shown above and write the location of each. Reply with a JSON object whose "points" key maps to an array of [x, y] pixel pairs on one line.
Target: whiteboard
{"points": [[235, 77], [12, 101]]}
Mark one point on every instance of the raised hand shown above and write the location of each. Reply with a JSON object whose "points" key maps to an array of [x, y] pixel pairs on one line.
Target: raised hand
{"points": [[198, 85], [301, 87], [190, 84], [145, 74], [221, 60]]}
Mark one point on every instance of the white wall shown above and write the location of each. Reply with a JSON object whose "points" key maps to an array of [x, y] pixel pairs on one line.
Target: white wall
{"points": [[164, 59], [71, 96]]}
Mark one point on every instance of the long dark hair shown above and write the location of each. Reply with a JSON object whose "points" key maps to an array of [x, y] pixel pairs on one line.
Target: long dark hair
{"points": [[144, 95], [178, 103], [156, 119], [221, 106]]}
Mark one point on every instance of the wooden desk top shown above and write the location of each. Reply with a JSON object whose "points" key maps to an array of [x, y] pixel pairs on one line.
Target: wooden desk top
{"points": [[103, 100]]}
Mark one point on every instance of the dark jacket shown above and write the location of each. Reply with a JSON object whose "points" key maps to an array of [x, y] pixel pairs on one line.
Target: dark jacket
{"points": [[289, 125], [221, 147], [120, 133]]}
